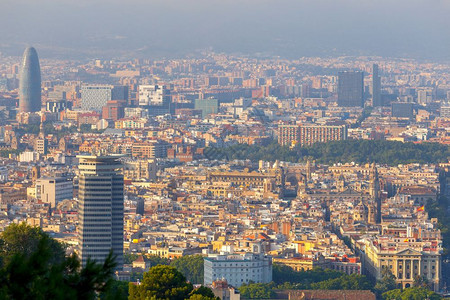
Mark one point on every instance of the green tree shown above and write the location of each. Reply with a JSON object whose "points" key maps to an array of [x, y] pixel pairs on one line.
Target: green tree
{"points": [[161, 282], [203, 293], [191, 266], [128, 258], [33, 266], [156, 260], [386, 283], [118, 290], [22, 239], [283, 274], [346, 282], [414, 293], [257, 290], [421, 281]]}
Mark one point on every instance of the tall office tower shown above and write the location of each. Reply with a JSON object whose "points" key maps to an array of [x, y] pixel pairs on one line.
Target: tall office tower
{"points": [[424, 96], [94, 97], [351, 89], [100, 208], [30, 82], [152, 95], [207, 106], [376, 87], [156, 98]]}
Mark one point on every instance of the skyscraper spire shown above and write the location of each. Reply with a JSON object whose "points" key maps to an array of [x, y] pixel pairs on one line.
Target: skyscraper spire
{"points": [[30, 82]]}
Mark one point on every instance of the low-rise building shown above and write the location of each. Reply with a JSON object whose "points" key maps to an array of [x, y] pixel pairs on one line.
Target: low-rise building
{"points": [[238, 269]]}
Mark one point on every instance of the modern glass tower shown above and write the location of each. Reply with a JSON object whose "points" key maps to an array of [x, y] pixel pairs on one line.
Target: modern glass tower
{"points": [[351, 89], [100, 208], [376, 87], [30, 82]]}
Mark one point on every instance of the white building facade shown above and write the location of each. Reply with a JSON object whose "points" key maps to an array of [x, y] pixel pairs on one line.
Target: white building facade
{"points": [[238, 269]]}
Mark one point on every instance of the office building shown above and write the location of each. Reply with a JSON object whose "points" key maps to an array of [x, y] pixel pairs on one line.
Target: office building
{"points": [[153, 149], [402, 109], [54, 190], [140, 169], [445, 110], [207, 106], [114, 110], [407, 258], [351, 89], [101, 205], [306, 135], [41, 145], [376, 87], [156, 98], [288, 135], [95, 97], [58, 106], [30, 82], [424, 96], [238, 269], [152, 95], [310, 134]]}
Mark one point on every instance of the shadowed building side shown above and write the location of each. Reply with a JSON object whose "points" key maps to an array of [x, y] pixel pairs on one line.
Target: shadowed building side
{"points": [[30, 82]]}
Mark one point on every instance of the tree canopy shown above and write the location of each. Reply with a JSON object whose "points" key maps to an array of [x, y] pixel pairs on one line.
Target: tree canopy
{"points": [[161, 282], [34, 266], [413, 293], [358, 151], [191, 266]]}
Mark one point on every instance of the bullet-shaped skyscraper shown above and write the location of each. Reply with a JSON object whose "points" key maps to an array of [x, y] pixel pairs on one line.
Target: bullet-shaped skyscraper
{"points": [[30, 82], [100, 208]]}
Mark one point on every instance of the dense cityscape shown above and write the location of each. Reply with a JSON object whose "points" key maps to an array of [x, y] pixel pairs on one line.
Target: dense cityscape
{"points": [[256, 177]]}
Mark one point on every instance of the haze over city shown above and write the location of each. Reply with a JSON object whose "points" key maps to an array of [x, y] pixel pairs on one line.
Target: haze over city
{"points": [[225, 150], [288, 28]]}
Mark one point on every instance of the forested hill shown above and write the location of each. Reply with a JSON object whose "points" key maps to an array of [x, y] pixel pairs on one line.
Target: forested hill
{"points": [[358, 151]]}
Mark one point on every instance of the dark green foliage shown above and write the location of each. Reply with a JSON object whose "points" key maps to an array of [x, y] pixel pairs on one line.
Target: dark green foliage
{"points": [[358, 151], [191, 266], [128, 258], [161, 282], [87, 128], [302, 280], [6, 153], [414, 293], [24, 240], [33, 266], [439, 210], [257, 291], [156, 260], [27, 128], [201, 297], [118, 290], [346, 282], [203, 293], [386, 283]]}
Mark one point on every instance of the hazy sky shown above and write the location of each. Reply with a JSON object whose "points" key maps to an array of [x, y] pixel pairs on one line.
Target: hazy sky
{"points": [[290, 28]]}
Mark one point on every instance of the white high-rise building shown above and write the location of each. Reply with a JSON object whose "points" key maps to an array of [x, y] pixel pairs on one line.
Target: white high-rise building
{"points": [[101, 204], [54, 190], [152, 95], [94, 97], [238, 269]]}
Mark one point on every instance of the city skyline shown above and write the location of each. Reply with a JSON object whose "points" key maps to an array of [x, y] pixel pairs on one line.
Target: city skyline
{"points": [[225, 149]]}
